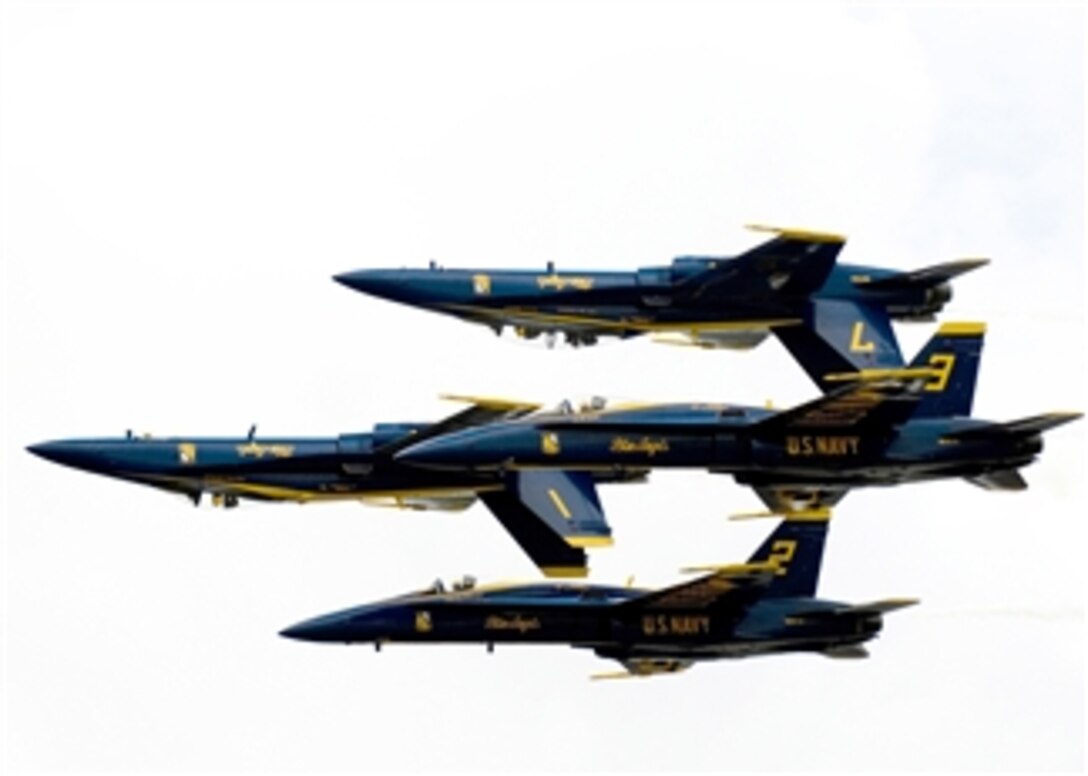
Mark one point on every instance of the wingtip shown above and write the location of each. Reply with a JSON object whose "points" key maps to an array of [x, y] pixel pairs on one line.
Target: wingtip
{"points": [[798, 234]]}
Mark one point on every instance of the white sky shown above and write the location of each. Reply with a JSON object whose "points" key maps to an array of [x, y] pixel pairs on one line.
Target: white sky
{"points": [[179, 183]]}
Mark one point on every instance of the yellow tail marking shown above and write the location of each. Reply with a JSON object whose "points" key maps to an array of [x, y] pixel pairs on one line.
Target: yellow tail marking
{"points": [[962, 329], [857, 344]]}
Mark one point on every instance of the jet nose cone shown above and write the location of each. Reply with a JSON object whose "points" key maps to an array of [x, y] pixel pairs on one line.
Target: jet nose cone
{"points": [[66, 453], [325, 628], [377, 282], [347, 278]]}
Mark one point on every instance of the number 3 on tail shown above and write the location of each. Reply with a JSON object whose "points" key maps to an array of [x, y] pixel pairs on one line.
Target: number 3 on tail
{"points": [[942, 364]]}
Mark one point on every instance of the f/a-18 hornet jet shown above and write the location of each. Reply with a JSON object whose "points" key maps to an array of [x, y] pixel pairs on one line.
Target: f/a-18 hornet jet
{"points": [[552, 515], [789, 284], [879, 427], [764, 606]]}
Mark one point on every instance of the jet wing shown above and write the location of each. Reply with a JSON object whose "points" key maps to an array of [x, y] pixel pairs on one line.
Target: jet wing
{"points": [[864, 404], [1024, 427], [921, 278], [553, 516], [722, 582], [794, 262], [480, 412]]}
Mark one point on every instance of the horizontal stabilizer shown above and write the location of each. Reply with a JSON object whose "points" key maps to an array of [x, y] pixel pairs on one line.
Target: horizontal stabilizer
{"points": [[847, 652], [879, 607], [1006, 479], [860, 611], [1024, 427], [921, 278]]}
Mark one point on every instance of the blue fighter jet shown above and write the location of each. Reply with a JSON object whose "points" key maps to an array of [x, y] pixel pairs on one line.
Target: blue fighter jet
{"points": [[790, 285], [553, 516], [878, 427], [765, 606]]}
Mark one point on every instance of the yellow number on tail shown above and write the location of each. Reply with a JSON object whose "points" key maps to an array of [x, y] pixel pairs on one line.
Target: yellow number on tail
{"points": [[942, 363], [782, 553]]}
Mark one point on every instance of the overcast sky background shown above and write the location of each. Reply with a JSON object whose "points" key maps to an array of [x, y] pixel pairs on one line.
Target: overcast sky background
{"points": [[180, 181]]}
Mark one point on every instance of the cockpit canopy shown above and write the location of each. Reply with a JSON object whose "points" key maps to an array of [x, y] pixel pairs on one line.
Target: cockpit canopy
{"points": [[466, 582], [578, 406]]}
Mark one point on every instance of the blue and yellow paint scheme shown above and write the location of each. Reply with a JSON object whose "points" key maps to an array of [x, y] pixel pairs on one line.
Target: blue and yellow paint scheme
{"points": [[837, 316], [553, 515], [767, 605], [874, 427]]}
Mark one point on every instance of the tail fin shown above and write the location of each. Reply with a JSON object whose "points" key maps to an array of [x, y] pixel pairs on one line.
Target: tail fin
{"points": [[796, 547], [955, 352], [841, 336]]}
